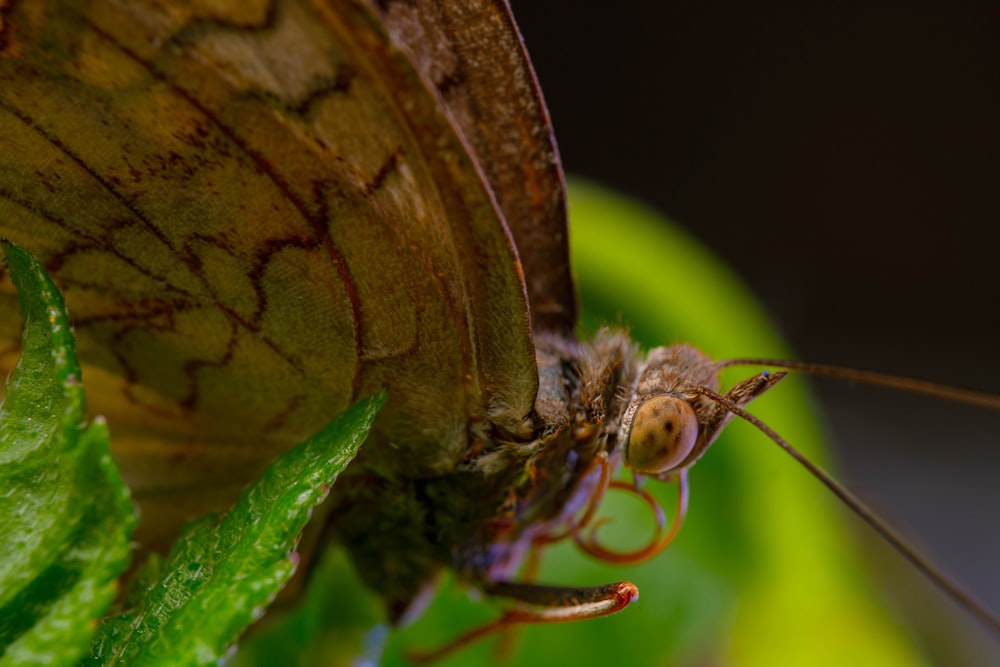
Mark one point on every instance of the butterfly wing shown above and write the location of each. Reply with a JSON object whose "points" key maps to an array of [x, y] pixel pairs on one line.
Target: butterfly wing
{"points": [[258, 212], [472, 54]]}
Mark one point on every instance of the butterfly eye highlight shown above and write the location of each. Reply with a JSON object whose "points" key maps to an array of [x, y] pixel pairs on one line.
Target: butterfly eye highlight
{"points": [[663, 433]]}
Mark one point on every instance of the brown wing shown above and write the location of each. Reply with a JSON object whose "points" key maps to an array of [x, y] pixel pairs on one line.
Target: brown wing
{"points": [[258, 212], [472, 54]]}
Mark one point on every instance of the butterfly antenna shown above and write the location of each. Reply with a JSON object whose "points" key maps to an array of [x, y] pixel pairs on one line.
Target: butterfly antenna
{"points": [[959, 394], [956, 592]]}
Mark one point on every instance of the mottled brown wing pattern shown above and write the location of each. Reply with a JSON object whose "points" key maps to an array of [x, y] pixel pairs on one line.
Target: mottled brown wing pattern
{"points": [[258, 211]]}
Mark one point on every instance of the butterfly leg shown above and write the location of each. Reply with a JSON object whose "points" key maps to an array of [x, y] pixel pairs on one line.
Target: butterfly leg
{"points": [[599, 468], [534, 603]]}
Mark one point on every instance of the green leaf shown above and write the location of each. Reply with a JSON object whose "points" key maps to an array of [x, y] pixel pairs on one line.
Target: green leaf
{"points": [[222, 572], [66, 514]]}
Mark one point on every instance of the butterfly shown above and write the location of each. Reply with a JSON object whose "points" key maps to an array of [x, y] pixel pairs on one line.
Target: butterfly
{"points": [[292, 204]]}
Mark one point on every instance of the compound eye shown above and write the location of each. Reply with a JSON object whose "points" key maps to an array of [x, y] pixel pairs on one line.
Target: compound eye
{"points": [[663, 433]]}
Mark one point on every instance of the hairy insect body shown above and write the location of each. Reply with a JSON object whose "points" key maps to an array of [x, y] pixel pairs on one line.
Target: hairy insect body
{"points": [[510, 496], [482, 518]]}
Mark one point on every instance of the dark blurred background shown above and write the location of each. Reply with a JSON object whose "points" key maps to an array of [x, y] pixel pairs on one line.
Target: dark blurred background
{"points": [[844, 158]]}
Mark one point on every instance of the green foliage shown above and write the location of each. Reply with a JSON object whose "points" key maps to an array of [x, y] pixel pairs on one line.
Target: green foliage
{"points": [[223, 571], [66, 514], [68, 518]]}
